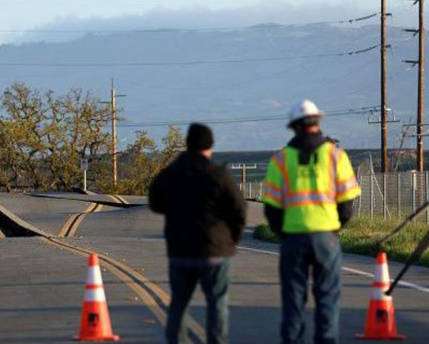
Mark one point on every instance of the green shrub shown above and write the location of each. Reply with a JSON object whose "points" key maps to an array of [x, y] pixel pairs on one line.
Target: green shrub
{"points": [[263, 232]]}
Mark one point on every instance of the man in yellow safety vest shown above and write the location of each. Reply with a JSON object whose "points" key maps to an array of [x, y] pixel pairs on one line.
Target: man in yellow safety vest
{"points": [[308, 194]]}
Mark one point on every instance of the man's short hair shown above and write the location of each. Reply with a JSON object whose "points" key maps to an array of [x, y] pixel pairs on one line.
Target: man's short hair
{"points": [[199, 138]]}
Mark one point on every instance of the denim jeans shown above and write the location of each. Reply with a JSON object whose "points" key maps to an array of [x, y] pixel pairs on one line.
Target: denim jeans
{"points": [[214, 281], [321, 252]]}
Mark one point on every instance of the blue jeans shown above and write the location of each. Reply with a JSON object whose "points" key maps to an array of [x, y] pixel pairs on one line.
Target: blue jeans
{"points": [[215, 283], [299, 252]]}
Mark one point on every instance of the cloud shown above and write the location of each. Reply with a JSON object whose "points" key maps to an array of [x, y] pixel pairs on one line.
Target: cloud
{"points": [[199, 16]]}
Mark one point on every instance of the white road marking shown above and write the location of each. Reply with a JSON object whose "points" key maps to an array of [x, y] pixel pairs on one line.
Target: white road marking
{"points": [[271, 253], [414, 286], [344, 268], [357, 272]]}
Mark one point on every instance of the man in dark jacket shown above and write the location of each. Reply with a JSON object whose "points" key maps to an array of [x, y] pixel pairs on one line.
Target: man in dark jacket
{"points": [[204, 219]]}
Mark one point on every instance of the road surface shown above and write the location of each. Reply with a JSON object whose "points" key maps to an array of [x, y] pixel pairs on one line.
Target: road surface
{"points": [[43, 279]]}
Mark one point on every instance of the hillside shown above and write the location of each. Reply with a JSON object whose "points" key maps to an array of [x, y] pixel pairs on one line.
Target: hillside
{"points": [[296, 63]]}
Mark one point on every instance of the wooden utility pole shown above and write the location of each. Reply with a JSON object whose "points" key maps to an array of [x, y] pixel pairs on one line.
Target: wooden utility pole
{"points": [[114, 155], [243, 167], [243, 179], [112, 103], [420, 109], [383, 120]]}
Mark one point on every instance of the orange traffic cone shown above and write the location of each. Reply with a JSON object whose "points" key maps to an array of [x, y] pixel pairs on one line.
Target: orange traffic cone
{"points": [[95, 322], [380, 320]]}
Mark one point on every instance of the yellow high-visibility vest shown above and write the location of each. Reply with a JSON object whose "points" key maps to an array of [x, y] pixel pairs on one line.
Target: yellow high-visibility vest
{"points": [[309, 193]]}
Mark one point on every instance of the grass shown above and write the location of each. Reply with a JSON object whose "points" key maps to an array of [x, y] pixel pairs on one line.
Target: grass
{"points": [[264, 233], [361, 235]]}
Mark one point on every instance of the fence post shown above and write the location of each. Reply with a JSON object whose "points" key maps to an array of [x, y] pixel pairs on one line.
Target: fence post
{"points": [[427, 195], [371, 196], [360, 198], [413, 191], [384, 196], [250, 190], [398, 185], [260, 190]]}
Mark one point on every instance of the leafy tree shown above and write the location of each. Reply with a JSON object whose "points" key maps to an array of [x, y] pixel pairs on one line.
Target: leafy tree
{"points": [[23, 136], [141, 165], [145, 160], [174, 142], [43, 136], [85, 118]]}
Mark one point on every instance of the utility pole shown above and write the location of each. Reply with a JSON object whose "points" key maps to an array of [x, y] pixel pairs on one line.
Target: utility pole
{"points": [[243, 167], [383, 90], [114, 156], [112, 103], [420, 109], [420, 96]]}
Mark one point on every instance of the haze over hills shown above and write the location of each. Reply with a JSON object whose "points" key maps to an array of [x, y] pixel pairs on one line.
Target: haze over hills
{"points": [[171, 75]]}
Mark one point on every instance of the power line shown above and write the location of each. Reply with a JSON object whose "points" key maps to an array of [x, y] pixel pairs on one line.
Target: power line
{"points": [[187, 63], [198, 86], [221, 86], [363, 89], [170, 30], [331, 81], [295, 68], [225, 86], [333, 113], [359, 68]]}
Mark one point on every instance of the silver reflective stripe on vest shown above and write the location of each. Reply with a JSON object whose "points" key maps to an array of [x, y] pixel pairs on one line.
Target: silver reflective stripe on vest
{"points": [[310, 197]]}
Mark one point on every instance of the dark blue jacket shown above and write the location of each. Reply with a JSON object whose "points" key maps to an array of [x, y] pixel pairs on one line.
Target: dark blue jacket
{"points": [[204, 210]]}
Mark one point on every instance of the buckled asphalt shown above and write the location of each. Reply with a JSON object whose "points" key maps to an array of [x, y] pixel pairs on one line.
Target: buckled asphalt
{"points": [[41, 285]]}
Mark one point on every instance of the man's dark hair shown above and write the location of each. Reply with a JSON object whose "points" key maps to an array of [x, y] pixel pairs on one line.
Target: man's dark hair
{"points": [[199, 138], [302, 123]]}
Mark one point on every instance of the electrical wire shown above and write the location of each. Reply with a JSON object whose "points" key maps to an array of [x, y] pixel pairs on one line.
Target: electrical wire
{"points": [[187, 63], [290, 97], [332, 113], [331, 81], [224, 86]]}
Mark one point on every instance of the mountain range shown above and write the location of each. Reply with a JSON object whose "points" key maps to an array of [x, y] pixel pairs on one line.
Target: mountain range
{"points": [[232, 74]]}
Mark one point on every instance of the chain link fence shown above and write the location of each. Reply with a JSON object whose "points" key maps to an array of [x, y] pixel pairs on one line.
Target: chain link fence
{"points": [[393, 195], [383, 195], [252, 190]]}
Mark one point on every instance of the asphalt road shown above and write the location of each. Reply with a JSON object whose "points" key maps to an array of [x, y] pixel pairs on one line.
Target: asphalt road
{"points": [[42, 284]]}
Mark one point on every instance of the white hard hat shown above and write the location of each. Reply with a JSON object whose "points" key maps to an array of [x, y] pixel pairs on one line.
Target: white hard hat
{"points": [[303, 109]]}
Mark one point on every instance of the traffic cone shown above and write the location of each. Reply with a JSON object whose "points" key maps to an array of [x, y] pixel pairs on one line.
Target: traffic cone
{"points": [[95, 323], [380, 320]]}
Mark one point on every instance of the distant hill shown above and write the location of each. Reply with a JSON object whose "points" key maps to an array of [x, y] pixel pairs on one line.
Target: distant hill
{"points": [[292, 62], [242, 157], [358, 157]]}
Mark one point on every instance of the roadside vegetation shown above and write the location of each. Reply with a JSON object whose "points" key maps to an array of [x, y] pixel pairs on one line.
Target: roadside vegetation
{"points": [[43, 137], [361, 234]]}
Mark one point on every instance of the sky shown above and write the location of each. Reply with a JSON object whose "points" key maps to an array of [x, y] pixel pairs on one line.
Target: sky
{"points": [[25, 13], [92, 15], [131, 14]]}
